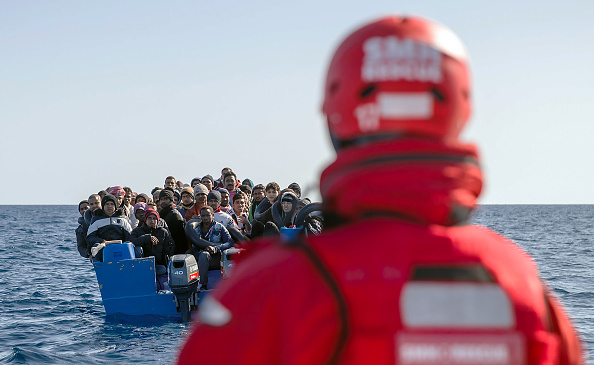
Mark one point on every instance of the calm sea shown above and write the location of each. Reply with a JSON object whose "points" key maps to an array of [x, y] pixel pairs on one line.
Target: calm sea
{"points": [[51, 310]]}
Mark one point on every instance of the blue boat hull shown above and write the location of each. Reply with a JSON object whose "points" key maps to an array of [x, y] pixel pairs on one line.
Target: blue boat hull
{"points": [[129, 287]]}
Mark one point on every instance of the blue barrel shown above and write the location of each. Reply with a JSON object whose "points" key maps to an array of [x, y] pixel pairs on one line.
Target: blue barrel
{"points": [[290, 234], [118, 252]]}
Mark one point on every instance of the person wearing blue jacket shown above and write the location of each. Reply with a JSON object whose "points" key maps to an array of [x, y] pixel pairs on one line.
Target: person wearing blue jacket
{"points": [[211, 231]]}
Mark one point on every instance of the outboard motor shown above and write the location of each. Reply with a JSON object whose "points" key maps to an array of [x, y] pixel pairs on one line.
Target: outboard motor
{"points": [[183, 280]]}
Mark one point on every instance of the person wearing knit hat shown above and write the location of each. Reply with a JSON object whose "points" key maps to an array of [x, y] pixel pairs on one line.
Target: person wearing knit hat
{"points": [[109, 225], [214, 201], [155, 239], [187, 200], [225, 198], [150, 212], [208, 181], [166, 193], [174, 220], [109, 198], [214, 195], [200, 193], [296, 188]]}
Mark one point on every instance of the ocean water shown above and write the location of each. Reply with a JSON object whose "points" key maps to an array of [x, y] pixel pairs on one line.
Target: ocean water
{"points": [[51, 310]]}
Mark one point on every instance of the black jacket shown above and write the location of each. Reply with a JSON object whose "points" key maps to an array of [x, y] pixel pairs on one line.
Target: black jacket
{"points": [[176, 224], [106, 228], [141, 236], [81, 237]]}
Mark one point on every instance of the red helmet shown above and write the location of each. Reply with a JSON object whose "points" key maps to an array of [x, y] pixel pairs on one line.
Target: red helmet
{"points": [[397, 76]]}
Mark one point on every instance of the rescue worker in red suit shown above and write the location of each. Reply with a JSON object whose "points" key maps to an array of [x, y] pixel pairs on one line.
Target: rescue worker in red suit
{"points": [[398, 276]]}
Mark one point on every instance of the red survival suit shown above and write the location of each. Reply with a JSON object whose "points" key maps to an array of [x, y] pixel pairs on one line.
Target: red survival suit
{"points": [[397, 280]]}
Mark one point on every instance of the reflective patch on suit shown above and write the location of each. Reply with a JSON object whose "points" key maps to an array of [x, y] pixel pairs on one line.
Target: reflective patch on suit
{"points": [[467, 349], [213, 313], [455, 305]]}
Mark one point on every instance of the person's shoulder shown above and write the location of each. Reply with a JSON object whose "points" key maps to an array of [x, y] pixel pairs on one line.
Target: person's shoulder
{"points": [[223, 215], [98, 215], [218, 226], [139, 229]]}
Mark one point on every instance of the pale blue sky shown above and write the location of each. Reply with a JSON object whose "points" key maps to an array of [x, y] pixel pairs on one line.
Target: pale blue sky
{"points": [[96, 94]]}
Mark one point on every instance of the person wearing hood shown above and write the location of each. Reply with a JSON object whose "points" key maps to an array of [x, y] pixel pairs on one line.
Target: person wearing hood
{"points": [[176, 198], [81, 230], [109, 225], [248, 182], [174, 220], [138, 214], [142, 198], [154, 238], [187, 200], [289, 202]]}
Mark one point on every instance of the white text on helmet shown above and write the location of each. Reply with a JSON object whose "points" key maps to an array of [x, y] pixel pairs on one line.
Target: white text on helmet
{"points": [[392, 59]]}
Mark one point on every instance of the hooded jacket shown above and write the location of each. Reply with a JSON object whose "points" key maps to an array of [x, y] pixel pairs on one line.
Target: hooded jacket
{"points": [[176, 224], [141, 236], [81, 237], [106, 228]]}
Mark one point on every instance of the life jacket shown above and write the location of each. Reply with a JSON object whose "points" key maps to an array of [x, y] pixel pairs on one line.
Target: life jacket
{"points": [[442, 291]]}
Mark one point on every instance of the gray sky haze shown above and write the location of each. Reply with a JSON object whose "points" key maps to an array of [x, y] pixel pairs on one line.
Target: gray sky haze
{"points": [[96, 94]]}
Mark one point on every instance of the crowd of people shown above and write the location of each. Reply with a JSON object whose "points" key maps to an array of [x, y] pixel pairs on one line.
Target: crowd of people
{"points": [[220, 213]]}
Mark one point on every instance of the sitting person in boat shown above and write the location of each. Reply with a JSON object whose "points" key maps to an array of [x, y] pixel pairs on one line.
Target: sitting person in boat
{"points": [[187, 200], [231, 184], [139, 209], [81, 230], [289, 203], [109, 225], [154, 238], [208, 181], [214, 201], [296, 188], [216, 233], [258, 195], [225, 207], [119, 193], [175, 221], [200, 194], [240, 215]]}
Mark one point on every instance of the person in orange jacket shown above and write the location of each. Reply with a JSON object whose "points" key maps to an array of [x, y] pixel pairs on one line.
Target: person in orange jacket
{"points": [[398, 276]]}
